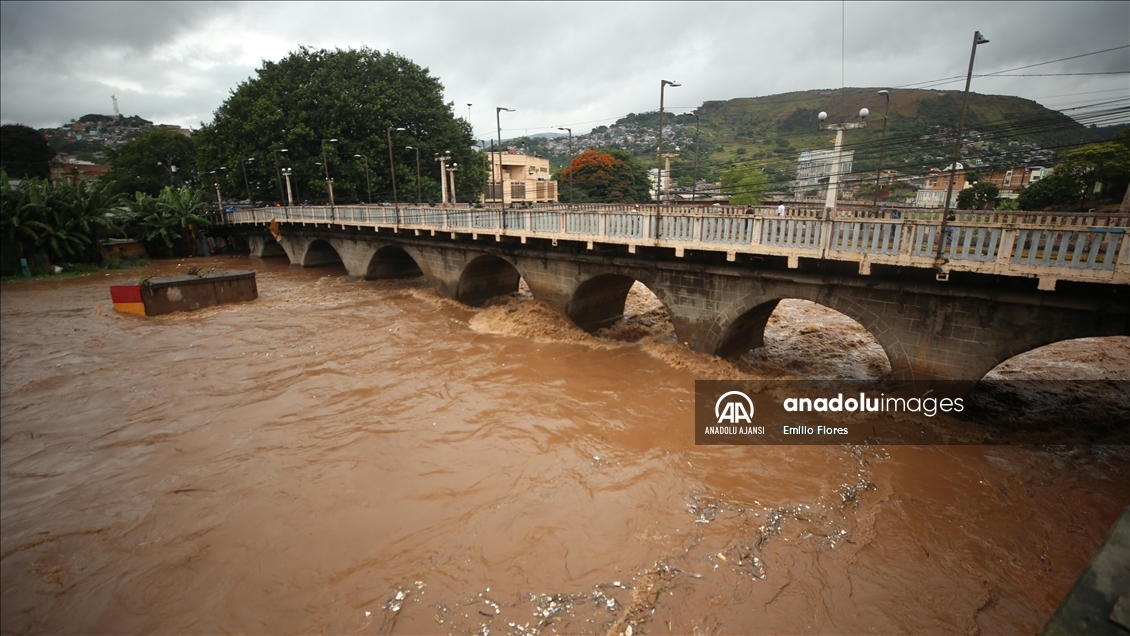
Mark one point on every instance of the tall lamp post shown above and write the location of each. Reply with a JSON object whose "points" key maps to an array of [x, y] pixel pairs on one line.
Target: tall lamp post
{"points": [[246, 183], [451, 173], [276, 154], [570, 131], [326, 167], [368, 186], [659, 155], [392, 170], [977, 40], [882, 143], [498, 124], [834, 177], [418, 197], [694, 186]]}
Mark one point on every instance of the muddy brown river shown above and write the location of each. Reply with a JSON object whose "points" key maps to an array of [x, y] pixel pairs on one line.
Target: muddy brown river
{"points": [[367, 457]]}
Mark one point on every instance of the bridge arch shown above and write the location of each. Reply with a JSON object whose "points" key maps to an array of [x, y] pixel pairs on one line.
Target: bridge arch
{"points": [[745, 330], [484, 277], [599, 300], [392, 261], [320, 252], [1084, 358]]}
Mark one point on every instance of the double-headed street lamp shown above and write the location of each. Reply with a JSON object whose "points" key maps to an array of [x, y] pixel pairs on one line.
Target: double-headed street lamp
{"points": [[659, 155], [442, 159], [276, 154], [367, 186], [326, 167], [570, 131], [418, 197], [392, 170], [498, 123], [246, 184]]}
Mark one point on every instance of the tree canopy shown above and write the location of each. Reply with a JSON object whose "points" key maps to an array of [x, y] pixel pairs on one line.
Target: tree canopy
{"points": [[746, 185], [152, 161], [977, 197], [607, 175], [312, 96], [24, 152]]}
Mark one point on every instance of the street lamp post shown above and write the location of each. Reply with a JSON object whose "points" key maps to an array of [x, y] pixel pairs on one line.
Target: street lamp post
{"points": [[392, 170], [834, 177], [882, 143], [276, 154], [246, 184], [570, 131], [659, 155], [498, 124], [368, 186], [418, 197], [219, 199], [977, 40], [329, 182], [694, 186]]}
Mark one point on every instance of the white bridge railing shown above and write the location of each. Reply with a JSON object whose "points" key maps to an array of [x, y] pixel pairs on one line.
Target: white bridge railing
{"points": [[1048, 246]]}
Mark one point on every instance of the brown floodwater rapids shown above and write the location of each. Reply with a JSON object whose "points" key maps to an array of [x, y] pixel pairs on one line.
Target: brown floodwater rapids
{"points": [[371, 458]]}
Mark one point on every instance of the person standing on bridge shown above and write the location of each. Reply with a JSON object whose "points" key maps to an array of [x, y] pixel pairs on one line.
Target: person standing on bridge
{"points": [[781, 210]]}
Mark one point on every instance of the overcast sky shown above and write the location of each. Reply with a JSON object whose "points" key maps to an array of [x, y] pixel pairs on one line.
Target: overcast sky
{"points": [[577, 65]]}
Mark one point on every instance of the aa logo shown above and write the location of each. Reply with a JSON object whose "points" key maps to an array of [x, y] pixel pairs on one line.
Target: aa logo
{"points": [[734, 407]]}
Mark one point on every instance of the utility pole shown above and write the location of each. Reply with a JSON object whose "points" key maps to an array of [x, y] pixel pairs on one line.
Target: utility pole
{"points": [[289, 194]]}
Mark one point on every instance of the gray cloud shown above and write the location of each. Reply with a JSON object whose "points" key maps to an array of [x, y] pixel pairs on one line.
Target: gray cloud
{"points": [[559, 64]]}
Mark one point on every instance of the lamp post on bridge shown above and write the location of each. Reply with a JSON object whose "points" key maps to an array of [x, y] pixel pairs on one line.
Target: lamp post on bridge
{"points": [[289, 194], [570, 131], [246, 183], [978, 39], [329, 182], [694, 186], [659, 155], [882, 143], [451, 174], [392, 171], [442, 159], [418, 197], [277, 174], [498, 124], [837, 166], [368, 186], [219, 199]]}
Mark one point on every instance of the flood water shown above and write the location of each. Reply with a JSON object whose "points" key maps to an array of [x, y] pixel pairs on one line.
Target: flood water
{"points": [[370, 458]]}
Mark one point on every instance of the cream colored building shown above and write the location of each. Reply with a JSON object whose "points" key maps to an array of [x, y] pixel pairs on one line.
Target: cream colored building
{"points": [[523, 179]]}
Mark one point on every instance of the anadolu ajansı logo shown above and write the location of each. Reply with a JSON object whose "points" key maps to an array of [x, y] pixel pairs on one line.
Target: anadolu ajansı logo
{"points": [[733, 407]]}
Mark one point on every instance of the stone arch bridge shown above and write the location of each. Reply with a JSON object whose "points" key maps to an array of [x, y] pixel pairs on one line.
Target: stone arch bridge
{"points": [[954, 322]]}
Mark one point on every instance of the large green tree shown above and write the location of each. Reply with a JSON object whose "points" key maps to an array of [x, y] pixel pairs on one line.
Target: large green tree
{"points": [[977, 197], [745, 185], [24, 152], [152, 161], [355, 97], [1107, 162], [606, 175]]}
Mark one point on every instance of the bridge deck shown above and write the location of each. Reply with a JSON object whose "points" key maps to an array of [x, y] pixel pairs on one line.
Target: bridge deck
{"points": [[1047, 246]]}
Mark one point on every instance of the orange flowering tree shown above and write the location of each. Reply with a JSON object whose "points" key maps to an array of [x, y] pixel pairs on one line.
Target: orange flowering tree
{"points": [[606, 175]]}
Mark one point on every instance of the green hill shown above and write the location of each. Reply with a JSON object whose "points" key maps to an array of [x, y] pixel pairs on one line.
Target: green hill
{"points": [[770, 132]]}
